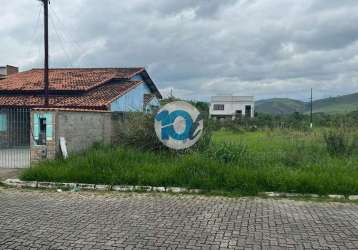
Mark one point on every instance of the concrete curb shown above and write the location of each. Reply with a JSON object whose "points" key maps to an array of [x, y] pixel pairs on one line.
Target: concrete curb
{"points": [[95, 187], [296, 195], [127, 188]]}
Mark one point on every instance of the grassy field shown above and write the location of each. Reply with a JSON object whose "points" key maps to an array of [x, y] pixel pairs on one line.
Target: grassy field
{"points": [[240, 163]]}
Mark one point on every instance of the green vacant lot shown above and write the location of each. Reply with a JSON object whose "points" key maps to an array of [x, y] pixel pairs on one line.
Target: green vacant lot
{"points": [[241, 163]]}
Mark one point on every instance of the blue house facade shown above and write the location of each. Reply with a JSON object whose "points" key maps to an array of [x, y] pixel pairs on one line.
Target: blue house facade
{"points": [[135, 100]]}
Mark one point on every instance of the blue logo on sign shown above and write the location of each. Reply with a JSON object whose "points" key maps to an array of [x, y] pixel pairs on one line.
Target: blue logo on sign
{"points": [[167, 122]]}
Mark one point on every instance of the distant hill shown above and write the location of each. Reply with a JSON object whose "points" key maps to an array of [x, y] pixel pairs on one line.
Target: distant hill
{"points": [[339, 104], [331, 105], [279, 106]]}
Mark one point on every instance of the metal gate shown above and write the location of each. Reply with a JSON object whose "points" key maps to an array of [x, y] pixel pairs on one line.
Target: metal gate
{"points": [[14, 138]]}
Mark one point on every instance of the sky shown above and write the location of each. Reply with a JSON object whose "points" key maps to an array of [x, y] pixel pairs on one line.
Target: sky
{"points": [[197, 48]]}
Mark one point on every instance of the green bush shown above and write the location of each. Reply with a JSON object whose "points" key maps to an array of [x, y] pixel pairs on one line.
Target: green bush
{"points": [[338, 143], [137, 130], [302, 154]]}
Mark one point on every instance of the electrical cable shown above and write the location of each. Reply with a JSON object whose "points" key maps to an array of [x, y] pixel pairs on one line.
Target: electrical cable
{"points": [[61, 41], [35, 31]]}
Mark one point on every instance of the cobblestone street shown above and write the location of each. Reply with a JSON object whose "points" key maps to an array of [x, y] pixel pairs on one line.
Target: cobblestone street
{"points": [[47, 220]]}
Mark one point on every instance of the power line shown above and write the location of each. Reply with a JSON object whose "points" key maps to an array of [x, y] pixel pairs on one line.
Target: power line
{"points": [[61, 41], [80, 49], [34, 34]]}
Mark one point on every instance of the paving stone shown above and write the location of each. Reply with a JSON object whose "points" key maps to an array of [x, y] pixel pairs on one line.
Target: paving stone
{"points": [[90, 220]]}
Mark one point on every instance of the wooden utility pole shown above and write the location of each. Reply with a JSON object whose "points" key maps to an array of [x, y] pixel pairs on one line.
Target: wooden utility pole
{"points": [[46, 61], [311, 118]]}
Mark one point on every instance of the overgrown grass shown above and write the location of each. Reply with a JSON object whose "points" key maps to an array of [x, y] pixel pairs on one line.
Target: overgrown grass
{"points": [[244, 163]]}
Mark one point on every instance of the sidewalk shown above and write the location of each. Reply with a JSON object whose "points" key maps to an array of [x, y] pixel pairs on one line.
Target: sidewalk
{"points": [[9, 173], [86, 220]]}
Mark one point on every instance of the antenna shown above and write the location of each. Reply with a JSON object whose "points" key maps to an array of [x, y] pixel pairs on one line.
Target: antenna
{"points": [[46, 61]]}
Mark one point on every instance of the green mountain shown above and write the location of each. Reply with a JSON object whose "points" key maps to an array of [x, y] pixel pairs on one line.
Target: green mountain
{"points": [[279, 106], [339, 104], [331, 105]]}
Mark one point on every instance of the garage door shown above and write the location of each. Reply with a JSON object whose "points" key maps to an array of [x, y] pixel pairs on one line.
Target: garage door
{"points": [[15, 158]]}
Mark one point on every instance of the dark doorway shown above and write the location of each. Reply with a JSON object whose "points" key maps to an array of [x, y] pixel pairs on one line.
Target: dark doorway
{"points": [[42, 135], [248, 111]]}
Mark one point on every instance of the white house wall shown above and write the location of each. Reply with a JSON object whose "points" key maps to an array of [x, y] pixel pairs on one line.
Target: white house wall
{"points": [[230, 108]]}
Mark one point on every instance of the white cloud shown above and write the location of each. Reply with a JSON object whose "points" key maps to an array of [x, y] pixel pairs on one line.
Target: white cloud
{"points": [[199, 48]]}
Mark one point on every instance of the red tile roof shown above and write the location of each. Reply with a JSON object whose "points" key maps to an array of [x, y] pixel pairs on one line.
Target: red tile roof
{"points": [[96, 99], [80, 79], [82, 88]]}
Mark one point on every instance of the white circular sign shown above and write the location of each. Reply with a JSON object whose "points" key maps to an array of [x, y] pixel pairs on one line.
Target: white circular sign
{"points": [[179, 125]]}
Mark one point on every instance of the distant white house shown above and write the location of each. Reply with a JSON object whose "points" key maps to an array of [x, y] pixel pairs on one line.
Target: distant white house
{"points": [[232, 107]]}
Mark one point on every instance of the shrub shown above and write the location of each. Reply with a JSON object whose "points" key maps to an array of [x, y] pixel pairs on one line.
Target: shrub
{"points": [[204, 142], [137, 130], [303, 154], [337, 143], [293, 157], [354, 145]]}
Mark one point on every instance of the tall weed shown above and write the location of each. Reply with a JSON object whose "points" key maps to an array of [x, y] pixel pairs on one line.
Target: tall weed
{"points": [[227, 152], [339, 144]]}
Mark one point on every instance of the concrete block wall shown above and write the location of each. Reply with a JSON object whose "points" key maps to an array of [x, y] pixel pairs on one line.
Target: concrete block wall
{"points": [[82, 129]]}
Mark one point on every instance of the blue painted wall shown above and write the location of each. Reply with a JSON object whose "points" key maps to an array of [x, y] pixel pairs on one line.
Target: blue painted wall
{"points": [[133, 100], [152, 105], [3, 122], [137, 77]]}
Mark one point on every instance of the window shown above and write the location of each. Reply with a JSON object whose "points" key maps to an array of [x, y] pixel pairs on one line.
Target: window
{"points": [[3, 122], [219, 106], [42, 128]]}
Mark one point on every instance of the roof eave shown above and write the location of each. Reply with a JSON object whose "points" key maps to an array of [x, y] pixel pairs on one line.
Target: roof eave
{"points": [[152, 85]]}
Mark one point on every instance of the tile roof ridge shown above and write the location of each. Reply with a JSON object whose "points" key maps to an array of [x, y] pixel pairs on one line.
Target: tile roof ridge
{"points": [[94, 68]]}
